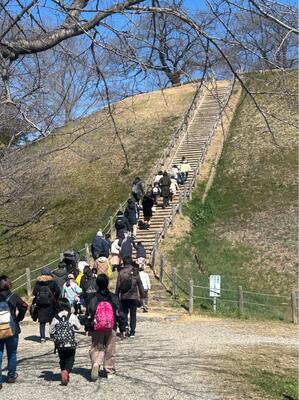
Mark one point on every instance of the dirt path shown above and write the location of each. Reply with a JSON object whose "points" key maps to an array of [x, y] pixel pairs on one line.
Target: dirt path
{"points": [[168, 359]]}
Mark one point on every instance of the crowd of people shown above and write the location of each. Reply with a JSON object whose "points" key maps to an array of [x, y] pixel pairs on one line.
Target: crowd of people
{"points": [[78, 291]]}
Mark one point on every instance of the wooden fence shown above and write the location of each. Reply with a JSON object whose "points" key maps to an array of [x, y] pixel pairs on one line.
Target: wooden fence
{"points": [[187, 293]]}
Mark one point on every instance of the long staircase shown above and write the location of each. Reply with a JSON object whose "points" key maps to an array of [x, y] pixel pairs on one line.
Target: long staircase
{"points": [[192, 146]]}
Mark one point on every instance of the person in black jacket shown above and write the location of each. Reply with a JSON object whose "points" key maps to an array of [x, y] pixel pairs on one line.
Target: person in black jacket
{"points": [[103, 344], [46, 293], [165, 183], [140, 253], [99, 246], [147, 205], [60, 274], [18, 310], [121, 225], [131, 213]]}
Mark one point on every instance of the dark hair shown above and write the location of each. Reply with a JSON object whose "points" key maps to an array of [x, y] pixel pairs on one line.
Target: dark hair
{"points": [[160, 173], [82, 258], [108, 236], [94, 271], [86, 270], [127, 260], [139, 243], [102, 282], [5, 282], [130, 201], [119, 212], [63, 305], [165, 173], [61, 264]]}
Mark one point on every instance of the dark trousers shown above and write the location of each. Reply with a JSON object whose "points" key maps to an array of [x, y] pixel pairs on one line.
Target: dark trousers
{"points": [[165, 201], [66, 359], [130, 306], [42, 330], [11, 345]]}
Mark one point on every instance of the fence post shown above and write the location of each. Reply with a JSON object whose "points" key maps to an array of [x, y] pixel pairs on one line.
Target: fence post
{"points": [[190, 192], [174, 282], [87, 252], [161, 268], [190, 297], [28, 281], [180, 203], [165, 228], [173, 212], [294, 308], [155, 249], [241, 300], [111, 225]]}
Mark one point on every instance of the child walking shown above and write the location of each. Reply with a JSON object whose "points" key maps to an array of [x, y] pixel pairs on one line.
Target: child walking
{"points": [[71, 291], [62, 330]]}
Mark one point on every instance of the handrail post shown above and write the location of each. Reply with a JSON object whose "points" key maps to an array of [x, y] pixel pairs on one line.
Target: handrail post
{"points": [[174, 278], [161, 268], [173, 212], [87, 252], [165, 227], [190, 296], [28, 281], [180, 203], [241, 300], [111, 225], [294, 308]]}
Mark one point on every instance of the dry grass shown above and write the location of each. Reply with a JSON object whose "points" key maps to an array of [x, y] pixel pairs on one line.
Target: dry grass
{"points": [[80, 175]]}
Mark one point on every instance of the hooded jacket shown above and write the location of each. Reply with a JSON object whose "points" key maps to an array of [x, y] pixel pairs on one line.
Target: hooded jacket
{"points": [[17, 307], [121, 225], [100, 247], [60, 276], [136, 292], [132, 213], [46, 313]]}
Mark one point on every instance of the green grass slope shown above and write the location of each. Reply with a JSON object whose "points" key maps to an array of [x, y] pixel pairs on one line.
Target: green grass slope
{"points": [[247, 229], [78, 177]]}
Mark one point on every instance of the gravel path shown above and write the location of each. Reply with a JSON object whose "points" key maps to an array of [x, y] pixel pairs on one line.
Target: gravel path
{"points": [[167, 360]]}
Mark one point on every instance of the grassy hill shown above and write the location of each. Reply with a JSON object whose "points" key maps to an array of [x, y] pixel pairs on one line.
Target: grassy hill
{"points": [[75, 179], [247, 229]]}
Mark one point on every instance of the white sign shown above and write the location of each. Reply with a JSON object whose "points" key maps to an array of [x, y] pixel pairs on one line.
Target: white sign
{"points": [[215, 285]]}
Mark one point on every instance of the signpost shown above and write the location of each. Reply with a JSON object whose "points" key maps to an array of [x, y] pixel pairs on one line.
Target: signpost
{"points": [[215, 281]]}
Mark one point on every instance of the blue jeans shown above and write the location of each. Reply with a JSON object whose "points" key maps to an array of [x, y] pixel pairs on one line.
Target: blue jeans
{"points": [[11, 345]]}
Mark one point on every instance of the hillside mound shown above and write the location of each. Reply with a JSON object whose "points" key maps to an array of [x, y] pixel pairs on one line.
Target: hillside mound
{"points": [[246, 230], [66, 186]]}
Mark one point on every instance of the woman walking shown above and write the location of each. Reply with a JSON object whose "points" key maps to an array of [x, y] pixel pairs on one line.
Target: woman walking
{"points": [[147, 205], [46, 293]]}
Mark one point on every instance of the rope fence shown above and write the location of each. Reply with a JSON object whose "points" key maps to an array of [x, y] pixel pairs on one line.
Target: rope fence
{"points": [[187, 293]]}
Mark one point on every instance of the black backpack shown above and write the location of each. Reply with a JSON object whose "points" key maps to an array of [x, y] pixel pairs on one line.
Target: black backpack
{"points": [[44, 296], [126, 280], [64, 334]]}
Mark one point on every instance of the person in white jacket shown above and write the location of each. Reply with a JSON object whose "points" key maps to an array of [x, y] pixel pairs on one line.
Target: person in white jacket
{"points": [[146, 283]]}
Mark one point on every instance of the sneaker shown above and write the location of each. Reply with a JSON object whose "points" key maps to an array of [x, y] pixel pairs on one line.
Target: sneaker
{"points": [[132, 335], [12, 380], [95, 372], [43, 340], [64, 377]]}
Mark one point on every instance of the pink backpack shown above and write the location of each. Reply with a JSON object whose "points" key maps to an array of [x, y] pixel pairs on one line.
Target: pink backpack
{"points": [[104, 317]]}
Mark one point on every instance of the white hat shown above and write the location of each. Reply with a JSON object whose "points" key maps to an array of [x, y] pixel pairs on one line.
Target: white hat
{"points": [[99, 233], [81, 265]]}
